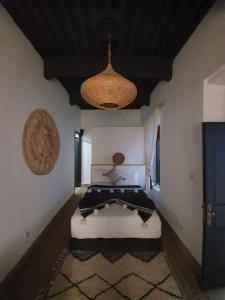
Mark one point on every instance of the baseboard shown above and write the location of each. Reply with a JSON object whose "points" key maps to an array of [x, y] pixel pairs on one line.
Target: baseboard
{"points": [[182, 262], [180, 244], [34, 269]]}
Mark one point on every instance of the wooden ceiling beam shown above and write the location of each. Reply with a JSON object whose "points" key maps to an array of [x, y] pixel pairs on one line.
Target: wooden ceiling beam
{"points": [[36, 18], [169, 36], [130, 67], [76, 99], [22, 20], [53, 25], [142, 99], [196, 14], [161, 29]]}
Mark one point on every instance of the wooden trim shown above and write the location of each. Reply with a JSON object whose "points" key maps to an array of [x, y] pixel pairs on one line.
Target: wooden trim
{"points": [[87, 66], [34, 270], [123, 165], [116, 244], [182, 262]]}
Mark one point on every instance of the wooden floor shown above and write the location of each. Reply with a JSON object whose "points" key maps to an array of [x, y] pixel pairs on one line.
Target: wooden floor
{"points": [[35, 269]]}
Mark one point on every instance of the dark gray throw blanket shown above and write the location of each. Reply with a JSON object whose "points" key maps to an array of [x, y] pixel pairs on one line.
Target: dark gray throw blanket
{"points": [[132, 196]]}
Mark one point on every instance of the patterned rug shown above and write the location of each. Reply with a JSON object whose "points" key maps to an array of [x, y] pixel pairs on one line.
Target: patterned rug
{"points": [[105, 276]]}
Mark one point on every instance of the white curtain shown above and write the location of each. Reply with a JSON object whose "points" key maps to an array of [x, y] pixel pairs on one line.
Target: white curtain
{"points": [[150, 128]]}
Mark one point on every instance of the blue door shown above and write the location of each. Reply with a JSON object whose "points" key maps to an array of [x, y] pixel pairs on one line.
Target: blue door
{"points": [[213, 263]]}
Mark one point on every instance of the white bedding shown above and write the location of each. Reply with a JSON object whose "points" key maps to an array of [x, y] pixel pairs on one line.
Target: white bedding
{"points": [[114, 222]]}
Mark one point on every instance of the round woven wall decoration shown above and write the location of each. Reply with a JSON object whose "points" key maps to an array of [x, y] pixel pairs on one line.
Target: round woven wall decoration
{"points": [[40, 142], [118, 158]]}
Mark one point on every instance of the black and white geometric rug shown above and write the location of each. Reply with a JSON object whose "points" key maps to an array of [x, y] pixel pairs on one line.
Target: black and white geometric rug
{"points": [[105, 276]]}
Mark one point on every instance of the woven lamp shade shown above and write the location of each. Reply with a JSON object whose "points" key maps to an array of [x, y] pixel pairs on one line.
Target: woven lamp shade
{"points": [[108, 89]]}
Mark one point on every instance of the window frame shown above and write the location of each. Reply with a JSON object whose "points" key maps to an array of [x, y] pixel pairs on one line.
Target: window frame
{"points": [[157, 158]]}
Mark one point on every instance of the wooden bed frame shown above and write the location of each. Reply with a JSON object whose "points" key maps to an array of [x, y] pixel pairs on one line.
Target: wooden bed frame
{"points": [[114, 244]]}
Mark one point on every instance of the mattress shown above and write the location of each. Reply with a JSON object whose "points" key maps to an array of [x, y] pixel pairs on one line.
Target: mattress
{"points": [[114, 222]]}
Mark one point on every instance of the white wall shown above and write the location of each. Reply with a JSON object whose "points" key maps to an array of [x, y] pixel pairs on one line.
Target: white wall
{"points": [[102, 118], [108, 140], [180, 197], [214, 103], [28, 202]]}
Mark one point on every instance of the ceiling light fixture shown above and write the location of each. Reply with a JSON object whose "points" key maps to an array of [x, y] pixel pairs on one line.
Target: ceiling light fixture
{"points": [[108, 90]]}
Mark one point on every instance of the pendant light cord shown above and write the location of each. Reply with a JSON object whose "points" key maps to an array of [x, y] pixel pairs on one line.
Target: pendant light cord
{"points": [[109, 48]]}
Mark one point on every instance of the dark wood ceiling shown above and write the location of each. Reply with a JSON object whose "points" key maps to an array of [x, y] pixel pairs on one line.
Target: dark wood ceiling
{"points": [[71, 37]]}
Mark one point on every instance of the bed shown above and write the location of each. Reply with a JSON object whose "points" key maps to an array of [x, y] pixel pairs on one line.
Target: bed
{"points": [[116, 216]]}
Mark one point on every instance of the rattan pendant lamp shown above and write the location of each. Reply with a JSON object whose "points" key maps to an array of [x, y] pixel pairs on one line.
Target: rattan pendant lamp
{"points": [[108, 90]]}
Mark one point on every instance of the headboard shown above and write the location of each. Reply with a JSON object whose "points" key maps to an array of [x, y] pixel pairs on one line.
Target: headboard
{"points": [[133, 174]]}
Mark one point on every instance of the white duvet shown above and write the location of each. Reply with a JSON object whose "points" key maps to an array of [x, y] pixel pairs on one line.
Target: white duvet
{"points": [[114, 222]]}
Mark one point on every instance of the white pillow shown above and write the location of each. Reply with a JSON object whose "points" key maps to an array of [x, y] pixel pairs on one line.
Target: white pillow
{"points": [[132, 178], [124, 177], [115, 178], [120, 180]]}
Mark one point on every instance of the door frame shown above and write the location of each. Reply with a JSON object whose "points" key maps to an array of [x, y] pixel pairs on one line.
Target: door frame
{"points": [[208, 213], [77, 157]]}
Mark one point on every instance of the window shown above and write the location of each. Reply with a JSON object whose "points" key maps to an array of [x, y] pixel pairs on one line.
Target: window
{"points": [[152, 135], [77, 158], [157, 158]]}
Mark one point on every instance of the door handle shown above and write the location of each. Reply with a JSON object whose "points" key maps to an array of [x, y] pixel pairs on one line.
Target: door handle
{"points": [[210, 214]]}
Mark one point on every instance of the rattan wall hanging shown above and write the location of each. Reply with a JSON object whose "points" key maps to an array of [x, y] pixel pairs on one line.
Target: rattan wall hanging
{"points": [[40, 142], [118, 158]]}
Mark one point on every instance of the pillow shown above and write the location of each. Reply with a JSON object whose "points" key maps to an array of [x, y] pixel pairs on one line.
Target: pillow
{"points": [[115, 178], [132, 178], [99, 176], [123, 177], [120, 180]]}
